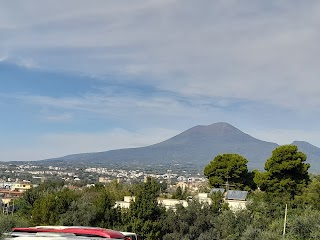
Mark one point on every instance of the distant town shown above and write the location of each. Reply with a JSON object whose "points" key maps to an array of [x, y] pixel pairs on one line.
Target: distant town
{"points": [[16, 179], [34, 174]]}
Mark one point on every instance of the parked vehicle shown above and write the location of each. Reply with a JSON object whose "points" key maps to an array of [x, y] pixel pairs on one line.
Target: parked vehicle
{"points": [[91, 232], [47, 236]]}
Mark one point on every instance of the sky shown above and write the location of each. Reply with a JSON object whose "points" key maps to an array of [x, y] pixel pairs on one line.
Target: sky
{"points": [[85, 76]]}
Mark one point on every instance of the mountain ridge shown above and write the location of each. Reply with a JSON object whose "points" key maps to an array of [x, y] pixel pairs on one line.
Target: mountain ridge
{"points": [[199, 145]]}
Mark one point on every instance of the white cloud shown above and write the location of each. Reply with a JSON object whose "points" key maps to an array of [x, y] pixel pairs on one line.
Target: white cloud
{"points": [[115, 105], [259, 51], [3, 58], [27, 63], [57, 117], [241, 62]]}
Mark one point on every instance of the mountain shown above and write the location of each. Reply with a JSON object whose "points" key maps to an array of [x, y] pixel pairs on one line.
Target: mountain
{"points": [[313, 154], [197, 145]]}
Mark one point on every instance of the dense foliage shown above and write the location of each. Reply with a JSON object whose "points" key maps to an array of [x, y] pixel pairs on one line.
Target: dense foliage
{"points": [[145, 213], [228, 167], [286, 171], [263, 218]]}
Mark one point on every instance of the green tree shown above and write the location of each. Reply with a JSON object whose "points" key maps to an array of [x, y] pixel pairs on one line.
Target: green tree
{"points": [[305, 225], [180, 193], [91, 207], [105, 211], [26, 202], [47, 209], [7, 222], [300, 226], [81, 212], [310, 195], [187, 222], [286, 172], [145, 212], [196, 221], [118, 190], [227, 167]]}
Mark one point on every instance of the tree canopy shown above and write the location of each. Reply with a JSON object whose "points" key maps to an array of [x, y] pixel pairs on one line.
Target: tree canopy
{"points": [[286, 171], [145, 212], [227, 167]]}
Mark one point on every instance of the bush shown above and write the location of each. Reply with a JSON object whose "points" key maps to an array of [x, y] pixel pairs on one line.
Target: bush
{"points": [[7, 222]]}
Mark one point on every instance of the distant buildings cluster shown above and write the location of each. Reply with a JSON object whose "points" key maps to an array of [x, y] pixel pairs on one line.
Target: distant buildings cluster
{"points": [[235, 199], [9, 191]]}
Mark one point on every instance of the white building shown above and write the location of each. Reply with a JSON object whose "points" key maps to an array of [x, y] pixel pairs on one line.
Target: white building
{"points": [[172, 203], [237, 200]]}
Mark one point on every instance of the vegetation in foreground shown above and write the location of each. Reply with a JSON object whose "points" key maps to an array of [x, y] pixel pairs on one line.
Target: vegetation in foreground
{"points": [[285, 182]]}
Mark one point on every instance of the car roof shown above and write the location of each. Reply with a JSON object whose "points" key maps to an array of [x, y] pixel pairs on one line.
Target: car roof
{"points": [[47, 236], [80, 231]]}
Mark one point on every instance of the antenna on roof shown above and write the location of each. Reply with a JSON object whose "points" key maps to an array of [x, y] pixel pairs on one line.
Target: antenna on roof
{"points": [[227, 184]]}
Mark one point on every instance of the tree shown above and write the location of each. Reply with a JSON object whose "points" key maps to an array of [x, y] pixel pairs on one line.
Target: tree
{"points": [[48, 208], [189, 222], [7, 222], [105, 212], [28, 199], [145, 213], [310, 195], [285, 173], [118, 190], [227, 167], [81, 212], [180, 193], [304, 225]]}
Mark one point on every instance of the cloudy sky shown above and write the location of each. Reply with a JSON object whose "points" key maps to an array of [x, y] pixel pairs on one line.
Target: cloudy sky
{"points": [[83, 76]]}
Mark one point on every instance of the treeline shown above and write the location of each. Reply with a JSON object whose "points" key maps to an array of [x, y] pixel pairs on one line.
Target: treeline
{"points": [[282, 184], [52, 204]]}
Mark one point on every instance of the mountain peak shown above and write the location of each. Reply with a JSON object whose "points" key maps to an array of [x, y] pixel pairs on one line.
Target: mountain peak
{"points": [[219, 128], [208, 135], [223, 126], [302, 143]]}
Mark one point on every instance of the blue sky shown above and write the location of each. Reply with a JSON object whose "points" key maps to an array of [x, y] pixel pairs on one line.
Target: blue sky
{"points": [[84, 76]]}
